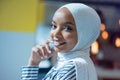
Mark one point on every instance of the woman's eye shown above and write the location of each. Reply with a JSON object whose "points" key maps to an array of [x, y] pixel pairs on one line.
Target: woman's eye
{"points": [[53, 26], [67, 28]]}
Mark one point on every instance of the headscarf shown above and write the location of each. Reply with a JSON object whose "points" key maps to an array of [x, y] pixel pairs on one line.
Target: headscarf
{"points": [[87, 24]]}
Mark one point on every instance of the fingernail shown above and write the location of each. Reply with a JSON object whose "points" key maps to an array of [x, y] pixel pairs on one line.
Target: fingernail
{"points": [[49, 52]]}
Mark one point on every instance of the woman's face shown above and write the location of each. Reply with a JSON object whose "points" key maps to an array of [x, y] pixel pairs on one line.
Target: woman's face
{"points": [[63, 32]]}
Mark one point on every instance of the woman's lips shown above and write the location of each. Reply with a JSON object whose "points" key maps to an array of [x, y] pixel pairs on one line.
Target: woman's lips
{"points": [[58, 43]]}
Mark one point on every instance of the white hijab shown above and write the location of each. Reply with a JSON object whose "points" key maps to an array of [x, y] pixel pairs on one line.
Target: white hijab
{"points": [[88, 28], [87, 23]]}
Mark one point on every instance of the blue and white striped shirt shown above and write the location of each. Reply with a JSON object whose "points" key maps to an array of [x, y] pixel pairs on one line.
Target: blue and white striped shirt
{"points": [[67, 72]]}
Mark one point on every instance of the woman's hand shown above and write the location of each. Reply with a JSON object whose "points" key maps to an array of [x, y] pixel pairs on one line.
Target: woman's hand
{"points": [[39, 53]]}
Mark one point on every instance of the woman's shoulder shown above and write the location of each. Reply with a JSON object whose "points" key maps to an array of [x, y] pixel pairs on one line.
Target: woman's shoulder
{"points": [[78, 62]]}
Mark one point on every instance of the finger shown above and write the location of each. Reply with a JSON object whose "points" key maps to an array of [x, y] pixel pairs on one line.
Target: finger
{"points": [[48, 48], [40, 51], [35, 54], [47, 41], [34, 50], [44, 52]]}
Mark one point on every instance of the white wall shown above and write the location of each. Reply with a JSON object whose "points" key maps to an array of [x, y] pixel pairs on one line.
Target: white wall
{"points": [[15, 48]]}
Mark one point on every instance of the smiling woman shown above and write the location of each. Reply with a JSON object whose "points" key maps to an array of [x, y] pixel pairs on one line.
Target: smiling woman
{"points": [[72, 41]]}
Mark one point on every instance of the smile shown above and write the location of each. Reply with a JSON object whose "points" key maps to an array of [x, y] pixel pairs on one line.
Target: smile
{"points": [[59, 43]]}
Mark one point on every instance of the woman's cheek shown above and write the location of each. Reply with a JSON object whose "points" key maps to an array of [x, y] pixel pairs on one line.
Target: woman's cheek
{"points": [[51, 34]]}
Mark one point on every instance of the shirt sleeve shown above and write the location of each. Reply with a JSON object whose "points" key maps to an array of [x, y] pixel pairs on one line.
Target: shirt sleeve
{"points": [[30, 73]]}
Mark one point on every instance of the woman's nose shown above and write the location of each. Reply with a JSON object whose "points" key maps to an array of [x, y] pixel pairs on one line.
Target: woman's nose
{"points": [[57, 33]]}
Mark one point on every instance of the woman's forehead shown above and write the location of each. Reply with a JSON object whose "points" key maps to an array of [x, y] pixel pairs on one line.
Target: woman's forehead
{"points": [[63, 14]]}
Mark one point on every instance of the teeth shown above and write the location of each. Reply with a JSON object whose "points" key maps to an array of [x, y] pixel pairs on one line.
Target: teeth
{"points": [[56, 43]]}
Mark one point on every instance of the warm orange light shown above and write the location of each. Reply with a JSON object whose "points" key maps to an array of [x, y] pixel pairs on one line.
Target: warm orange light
{"points": [[95, 48], [119, 21], [105, 35], [102, 27], [117, 42]]}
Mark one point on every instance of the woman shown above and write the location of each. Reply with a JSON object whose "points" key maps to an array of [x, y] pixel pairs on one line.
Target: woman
{"points": [[75, 27]]}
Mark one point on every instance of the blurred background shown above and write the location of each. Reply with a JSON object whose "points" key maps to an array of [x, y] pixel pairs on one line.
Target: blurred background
{"points": [[24, 23]]}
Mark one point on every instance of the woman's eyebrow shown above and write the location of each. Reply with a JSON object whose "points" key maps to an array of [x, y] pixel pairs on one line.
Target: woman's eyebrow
{"points": [[69, 23]]}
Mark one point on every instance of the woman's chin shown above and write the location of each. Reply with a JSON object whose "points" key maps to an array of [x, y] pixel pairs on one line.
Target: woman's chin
{"points": [[61, 50]]}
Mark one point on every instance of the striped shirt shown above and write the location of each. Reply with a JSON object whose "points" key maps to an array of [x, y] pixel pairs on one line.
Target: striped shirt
{"points": [[67, 72]]}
